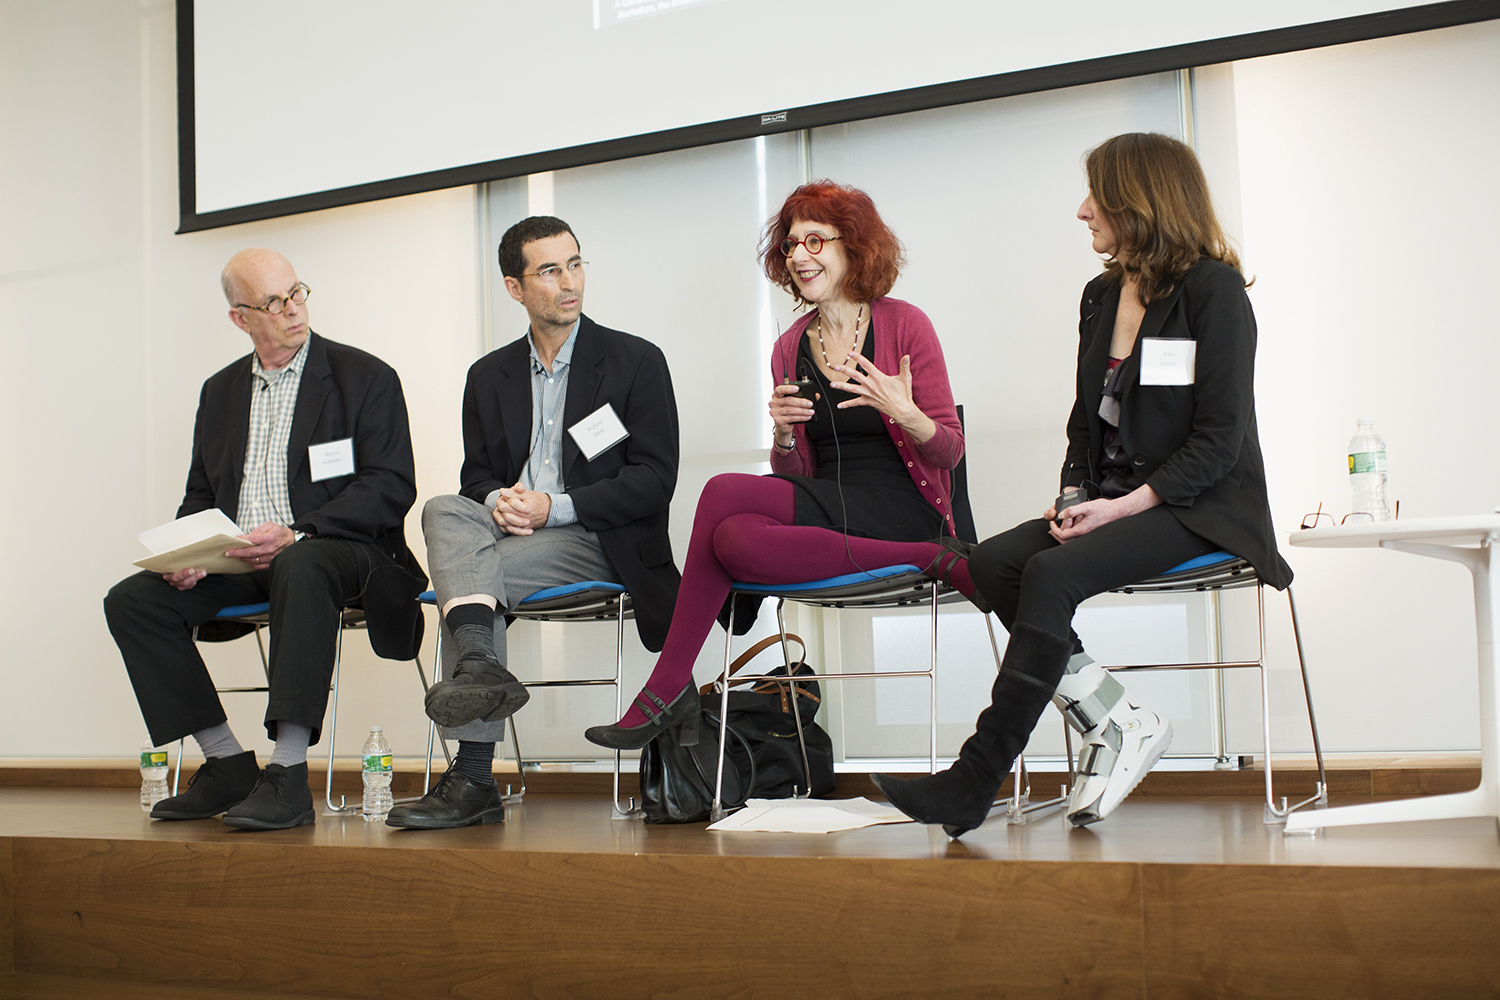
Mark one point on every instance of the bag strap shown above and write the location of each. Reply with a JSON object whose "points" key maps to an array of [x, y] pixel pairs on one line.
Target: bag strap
{"points": [[761, 646]]}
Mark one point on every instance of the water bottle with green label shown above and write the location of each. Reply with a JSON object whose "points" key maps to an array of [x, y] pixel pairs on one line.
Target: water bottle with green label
{"points": [[375, 762], [1367, 472], [153, 776]]}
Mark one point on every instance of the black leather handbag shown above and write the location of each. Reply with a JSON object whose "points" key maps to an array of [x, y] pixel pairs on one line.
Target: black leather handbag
{"points": [[677, 782], [763, 716]]}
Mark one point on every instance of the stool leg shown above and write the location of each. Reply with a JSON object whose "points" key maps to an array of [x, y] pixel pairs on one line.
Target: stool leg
{"points": [[177, 775], [510, 798], [932, 688], [333, 725], [1217, 710], [718, 812], [791, 687], [616, 811], [1312, 718]]}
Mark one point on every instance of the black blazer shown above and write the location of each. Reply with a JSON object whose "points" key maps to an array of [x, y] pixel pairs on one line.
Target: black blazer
{"points": [[1195, 445], [344, 393], [624, 493]]}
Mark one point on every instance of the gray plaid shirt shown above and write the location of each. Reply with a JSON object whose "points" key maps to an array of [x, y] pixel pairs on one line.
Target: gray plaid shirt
{"points": [[263, 486]]}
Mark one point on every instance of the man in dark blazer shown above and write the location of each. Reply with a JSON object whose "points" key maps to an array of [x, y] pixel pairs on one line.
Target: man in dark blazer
{"points": [[304, 443], [570, 461]]}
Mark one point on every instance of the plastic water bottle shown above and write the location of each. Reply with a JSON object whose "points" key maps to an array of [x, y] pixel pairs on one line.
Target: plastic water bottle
{"points": [[153, 776], [1367, 471], [375, 760]]}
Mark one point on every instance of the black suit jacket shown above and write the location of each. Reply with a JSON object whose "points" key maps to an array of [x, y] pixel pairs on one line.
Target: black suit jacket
{"points": [[344, 393], [624, 493], [1195, 445]]}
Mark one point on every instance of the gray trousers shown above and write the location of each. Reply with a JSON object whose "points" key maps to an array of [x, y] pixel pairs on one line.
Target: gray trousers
{"points": [[467, 553]]}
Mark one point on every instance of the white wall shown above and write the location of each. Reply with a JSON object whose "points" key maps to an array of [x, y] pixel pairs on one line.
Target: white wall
{"points": [[1355, 175], [1367, 173], [111, 323]]}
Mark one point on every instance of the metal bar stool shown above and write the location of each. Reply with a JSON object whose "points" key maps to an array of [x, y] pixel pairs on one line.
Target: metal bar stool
{"points": [[586, 601], [1211, 574], [258, 616]]}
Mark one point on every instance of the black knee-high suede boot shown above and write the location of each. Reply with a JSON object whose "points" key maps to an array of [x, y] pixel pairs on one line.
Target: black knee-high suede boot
{"points": [[960, 797]]}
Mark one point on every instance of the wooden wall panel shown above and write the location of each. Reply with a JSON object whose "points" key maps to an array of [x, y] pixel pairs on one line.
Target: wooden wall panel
{"points": [[7, 908], [1242, 931], [457, 923]]}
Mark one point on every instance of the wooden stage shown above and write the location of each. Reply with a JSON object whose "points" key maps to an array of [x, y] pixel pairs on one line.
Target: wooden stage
{"points": [[1183, 892]]}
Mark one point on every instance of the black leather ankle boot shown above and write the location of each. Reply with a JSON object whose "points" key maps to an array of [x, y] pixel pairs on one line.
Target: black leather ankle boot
{"points": [[960, 797]]}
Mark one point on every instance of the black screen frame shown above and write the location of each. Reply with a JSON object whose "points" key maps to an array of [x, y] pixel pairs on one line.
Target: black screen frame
{"points": [[1167, 59]]}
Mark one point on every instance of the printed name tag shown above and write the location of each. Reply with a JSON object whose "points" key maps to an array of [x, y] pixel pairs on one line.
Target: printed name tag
{"points": [[1166, 361], [598, 432], [331, 459]]}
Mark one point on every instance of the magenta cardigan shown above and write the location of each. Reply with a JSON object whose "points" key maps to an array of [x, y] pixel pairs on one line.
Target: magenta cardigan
{"points": [[900, 329]]}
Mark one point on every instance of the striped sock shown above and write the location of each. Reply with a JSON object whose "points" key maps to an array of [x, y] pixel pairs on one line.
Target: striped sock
{"points": [[475, 760], [473, 628]]}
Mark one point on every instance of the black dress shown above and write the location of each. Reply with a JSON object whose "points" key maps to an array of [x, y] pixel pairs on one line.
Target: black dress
{"points": [[862, 487]]}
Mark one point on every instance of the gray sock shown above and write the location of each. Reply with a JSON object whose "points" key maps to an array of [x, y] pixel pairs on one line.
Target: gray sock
{"points": [[218, 741], [291, 744]]}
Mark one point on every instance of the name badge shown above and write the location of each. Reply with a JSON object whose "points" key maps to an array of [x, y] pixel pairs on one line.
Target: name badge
{"points": [[598, 432], [1165, 361], [331, 459]]}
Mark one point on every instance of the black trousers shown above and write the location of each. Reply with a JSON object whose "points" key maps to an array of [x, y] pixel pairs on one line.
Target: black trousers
{"points": [[1028, 576], [307, 585]]}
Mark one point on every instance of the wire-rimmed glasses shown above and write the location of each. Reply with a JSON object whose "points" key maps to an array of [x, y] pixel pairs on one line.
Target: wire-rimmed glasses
{"points": [[1314, 519], [551, 274]]}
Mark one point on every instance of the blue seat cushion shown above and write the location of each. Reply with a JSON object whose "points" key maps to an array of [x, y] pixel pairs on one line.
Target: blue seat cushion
{"points": [[244, 610], [587, 586], [1210, 559], [847, 580]]}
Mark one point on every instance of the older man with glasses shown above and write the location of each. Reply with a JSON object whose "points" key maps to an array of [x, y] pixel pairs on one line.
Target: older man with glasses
{"points": [[570, 461], [305, 444]]}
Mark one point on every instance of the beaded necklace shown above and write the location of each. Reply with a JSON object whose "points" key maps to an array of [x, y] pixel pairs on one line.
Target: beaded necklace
{"points": [[857, 319]]}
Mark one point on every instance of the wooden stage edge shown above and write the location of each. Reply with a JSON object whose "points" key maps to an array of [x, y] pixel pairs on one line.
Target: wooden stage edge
{"points": [[1348, 776], [1172, 896]]}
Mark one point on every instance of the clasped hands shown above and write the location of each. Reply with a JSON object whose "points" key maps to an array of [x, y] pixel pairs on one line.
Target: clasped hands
{"points": [[1082, 518], [519, 511]]}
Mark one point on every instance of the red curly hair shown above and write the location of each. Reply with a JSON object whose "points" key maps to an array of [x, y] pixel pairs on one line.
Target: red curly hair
{"points": [[875, 255]]}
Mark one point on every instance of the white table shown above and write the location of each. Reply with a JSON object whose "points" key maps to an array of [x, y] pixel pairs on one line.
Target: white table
{"points": [[1470, 541]]}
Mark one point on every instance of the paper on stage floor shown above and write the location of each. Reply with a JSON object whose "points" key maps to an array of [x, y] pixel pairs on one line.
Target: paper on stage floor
{"points": [[809, 816], [198, 540]]}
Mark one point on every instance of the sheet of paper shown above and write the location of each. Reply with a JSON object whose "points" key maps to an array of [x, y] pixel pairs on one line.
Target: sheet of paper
{"points": [[187, 530], [198, 541], [809, 816]]}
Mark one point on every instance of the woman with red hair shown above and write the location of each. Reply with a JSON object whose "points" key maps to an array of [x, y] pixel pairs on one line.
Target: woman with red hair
{"points": [[866, 437]]}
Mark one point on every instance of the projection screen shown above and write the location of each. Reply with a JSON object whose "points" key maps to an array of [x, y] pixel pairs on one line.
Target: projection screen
{"points": [[289, 106]]}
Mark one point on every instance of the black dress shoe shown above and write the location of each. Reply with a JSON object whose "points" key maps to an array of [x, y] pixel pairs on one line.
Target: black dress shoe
{"points": [[280, 800], [682, 714], [456, 800], [219, 783], [480, 688]]}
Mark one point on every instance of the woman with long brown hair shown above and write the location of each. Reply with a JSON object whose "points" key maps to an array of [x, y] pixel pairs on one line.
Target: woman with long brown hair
{"points": [[1163, 465]]}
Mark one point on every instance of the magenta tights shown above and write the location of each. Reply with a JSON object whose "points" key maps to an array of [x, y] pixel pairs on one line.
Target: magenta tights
{"points": [[744, 530]]}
